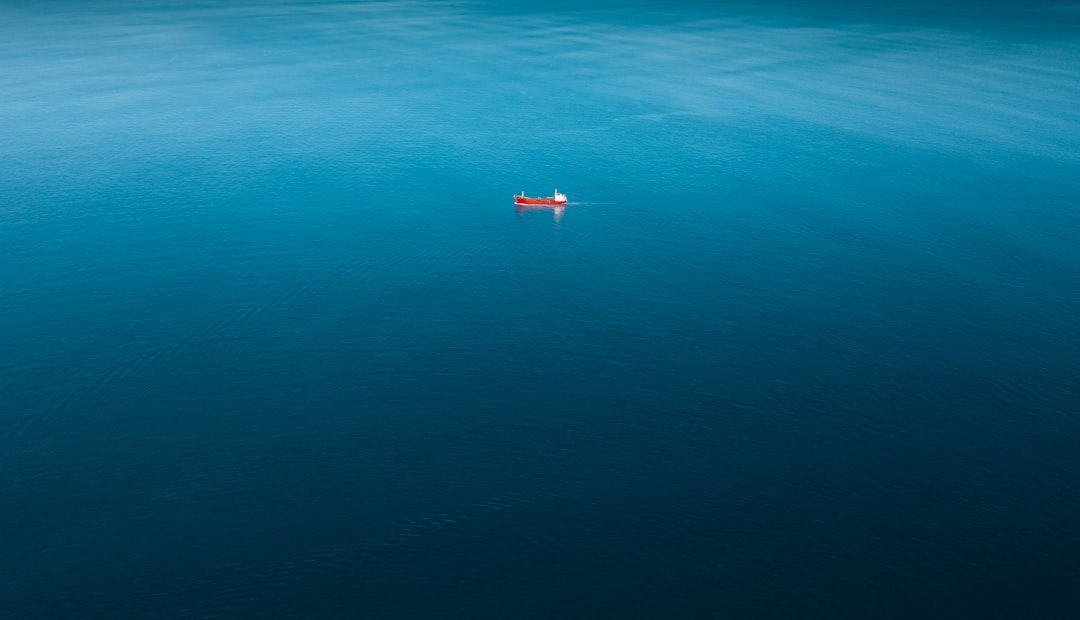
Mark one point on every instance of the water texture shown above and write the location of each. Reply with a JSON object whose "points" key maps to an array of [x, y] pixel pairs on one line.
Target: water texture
{"points": [[275, 341]]}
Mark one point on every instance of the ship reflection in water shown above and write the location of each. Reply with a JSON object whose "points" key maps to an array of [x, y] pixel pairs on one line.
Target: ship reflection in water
{"points": [[557, 210]]}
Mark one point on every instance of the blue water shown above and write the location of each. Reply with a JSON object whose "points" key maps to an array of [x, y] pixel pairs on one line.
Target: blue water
{"points": [[274, 341]]}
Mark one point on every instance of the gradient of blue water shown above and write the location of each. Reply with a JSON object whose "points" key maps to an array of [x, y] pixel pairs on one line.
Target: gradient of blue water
{"points": [[275, 341]]}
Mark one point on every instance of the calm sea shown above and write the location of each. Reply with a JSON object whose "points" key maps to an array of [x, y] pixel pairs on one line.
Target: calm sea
{"points": [[275, 342]]}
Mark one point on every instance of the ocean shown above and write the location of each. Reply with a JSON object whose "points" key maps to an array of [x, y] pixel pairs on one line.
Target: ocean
{"points": [[275, 341]]}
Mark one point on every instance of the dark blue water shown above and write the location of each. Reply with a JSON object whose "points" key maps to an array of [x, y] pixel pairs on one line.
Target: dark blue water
{"points": [[274, 341]]}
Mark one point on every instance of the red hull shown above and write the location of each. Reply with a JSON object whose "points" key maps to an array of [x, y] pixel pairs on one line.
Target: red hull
{"points": [[522, 200]]}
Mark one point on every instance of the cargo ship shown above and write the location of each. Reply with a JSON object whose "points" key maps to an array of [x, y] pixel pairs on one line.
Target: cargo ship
{"points": [[557, 199]]}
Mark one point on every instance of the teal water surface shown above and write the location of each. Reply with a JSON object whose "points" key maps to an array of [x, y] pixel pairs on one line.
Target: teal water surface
{"points": [[275, 342]]}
